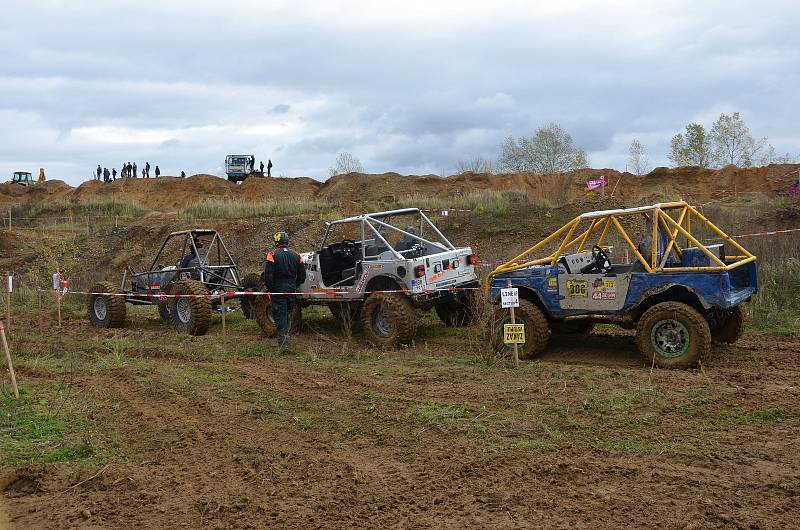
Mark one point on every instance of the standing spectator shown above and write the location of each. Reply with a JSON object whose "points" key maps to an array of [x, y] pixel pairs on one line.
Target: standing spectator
{"points": [[128, 170], [158, 172], [134, 170], [114, 173], [147, 170], [269, 167], [99, 171], [106, 174], [142, 172], [183, 174], [261, 165]]}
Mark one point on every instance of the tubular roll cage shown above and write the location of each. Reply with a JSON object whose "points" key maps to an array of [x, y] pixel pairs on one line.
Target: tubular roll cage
{"points": [[374, 223], [603, 221], [214, 275]]}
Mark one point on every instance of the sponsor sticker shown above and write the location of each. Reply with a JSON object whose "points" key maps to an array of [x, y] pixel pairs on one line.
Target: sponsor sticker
{"points": [[552, 284], [604, 289], [362, 282]]}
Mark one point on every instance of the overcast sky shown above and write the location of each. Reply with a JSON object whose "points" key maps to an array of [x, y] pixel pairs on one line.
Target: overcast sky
{"points": [[411, 88]]}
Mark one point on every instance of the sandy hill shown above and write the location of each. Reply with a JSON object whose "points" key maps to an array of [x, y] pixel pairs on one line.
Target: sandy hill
{"points": [[168, 193]]}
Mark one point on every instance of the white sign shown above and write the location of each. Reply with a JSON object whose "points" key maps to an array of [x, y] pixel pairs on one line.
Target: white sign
{"points": [[509, 297], [10, 284]]}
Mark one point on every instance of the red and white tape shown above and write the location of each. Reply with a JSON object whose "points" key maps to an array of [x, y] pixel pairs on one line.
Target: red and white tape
{"points": [[244, 294]]}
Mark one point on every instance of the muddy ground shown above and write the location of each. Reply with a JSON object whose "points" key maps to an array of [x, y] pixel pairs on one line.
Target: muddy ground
{"points": [[166, 431]]}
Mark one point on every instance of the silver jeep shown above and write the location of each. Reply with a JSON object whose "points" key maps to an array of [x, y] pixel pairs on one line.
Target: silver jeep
{"points": [[377, 268]]}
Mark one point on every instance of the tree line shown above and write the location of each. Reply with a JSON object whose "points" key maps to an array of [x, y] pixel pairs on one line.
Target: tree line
{"points": [[552, 149]]}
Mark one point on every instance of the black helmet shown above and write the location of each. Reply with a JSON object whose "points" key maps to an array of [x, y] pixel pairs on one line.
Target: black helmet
{"points": [[281, 238]]}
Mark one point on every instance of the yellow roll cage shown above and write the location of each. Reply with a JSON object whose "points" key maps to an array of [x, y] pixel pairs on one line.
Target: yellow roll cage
{"points": [[602, 221]]}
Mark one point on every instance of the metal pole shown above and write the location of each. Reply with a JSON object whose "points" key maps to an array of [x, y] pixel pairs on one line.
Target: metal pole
{"points": [[514, 321], [58, 305]]}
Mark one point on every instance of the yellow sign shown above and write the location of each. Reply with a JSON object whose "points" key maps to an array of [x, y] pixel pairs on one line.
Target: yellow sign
{"points": [[514, 333], [577, 288]]}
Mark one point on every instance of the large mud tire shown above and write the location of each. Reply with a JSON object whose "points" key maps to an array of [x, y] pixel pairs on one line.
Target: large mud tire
{"points": [[537, 332], [251, 282], [461, 310], [673, 335], [106, 311], [263, 316], [730, 326], [190, 315], [388, 320]]}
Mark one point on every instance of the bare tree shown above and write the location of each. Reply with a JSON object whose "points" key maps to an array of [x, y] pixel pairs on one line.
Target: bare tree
{"points": [[732, 142], [693, 149], [769, 156], [474, 165], [637, 158], [345, 163], [548, 151]]}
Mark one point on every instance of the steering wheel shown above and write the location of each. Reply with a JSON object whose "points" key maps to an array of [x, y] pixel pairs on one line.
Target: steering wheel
{"points": [[600, 259], [348, 247]]}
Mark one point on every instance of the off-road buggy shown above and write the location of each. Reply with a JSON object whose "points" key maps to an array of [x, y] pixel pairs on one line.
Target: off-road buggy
{"points": [[377, 268], [190, 262], [678, 292]]}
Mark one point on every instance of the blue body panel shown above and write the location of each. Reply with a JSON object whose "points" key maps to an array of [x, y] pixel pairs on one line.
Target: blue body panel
{"points": [[721, 290]]}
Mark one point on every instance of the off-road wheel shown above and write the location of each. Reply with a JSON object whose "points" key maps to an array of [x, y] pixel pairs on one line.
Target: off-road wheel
{"points": [[571, 327], [460, 310], [251, 282], [673, 335], [163, 307], [388, 320], [190, 315], [106, 311], [730, 326], [537, 332], [263, 315]]}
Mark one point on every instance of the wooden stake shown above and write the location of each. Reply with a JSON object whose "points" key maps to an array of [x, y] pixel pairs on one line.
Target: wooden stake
{"points": [[224, 332], [8, 360], [39, 300], [8, 303], [58, 306], [514, 321]]}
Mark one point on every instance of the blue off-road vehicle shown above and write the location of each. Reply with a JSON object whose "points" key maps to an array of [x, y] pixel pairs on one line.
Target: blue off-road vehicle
{"points": [[677, 292]]}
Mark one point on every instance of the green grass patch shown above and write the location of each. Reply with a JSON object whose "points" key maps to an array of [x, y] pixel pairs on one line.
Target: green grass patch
{"points": [[232, 209]]}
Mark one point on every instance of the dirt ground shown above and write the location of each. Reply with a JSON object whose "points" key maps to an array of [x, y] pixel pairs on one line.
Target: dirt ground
{"points": [[170, 193], [217, 432]]}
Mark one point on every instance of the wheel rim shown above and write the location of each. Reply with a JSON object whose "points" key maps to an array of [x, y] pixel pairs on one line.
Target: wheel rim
{"points": [[669, 338], [100, 307], [183, 308], [383, 323]]}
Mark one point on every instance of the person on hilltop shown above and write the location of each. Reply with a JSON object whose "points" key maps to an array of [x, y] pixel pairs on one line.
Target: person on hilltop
{"points": [[158, 172], [183, 174], [134, 170], [99, 172], [41, 175], [114, 173], [284, 272], [269, 168], [261, 165], [147, 170]]}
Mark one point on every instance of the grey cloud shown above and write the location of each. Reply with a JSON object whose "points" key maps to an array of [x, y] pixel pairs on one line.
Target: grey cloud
{"points": [[402, 93]]}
